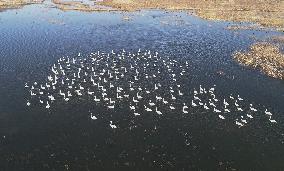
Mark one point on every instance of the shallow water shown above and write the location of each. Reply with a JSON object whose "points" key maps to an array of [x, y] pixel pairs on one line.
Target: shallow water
{"points": [[32, 138]]}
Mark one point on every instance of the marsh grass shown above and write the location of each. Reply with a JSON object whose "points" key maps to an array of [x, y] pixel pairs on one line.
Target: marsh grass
{"points": [[268, 13], [264, 56], [16, 3]]}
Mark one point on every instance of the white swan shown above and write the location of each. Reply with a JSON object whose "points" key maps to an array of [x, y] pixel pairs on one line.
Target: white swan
{"points": [[158, 112], [221, 117], [112, 125], [93, 117]]}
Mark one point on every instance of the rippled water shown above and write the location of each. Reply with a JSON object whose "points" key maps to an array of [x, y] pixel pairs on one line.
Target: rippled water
{"points": [[35, 37]]}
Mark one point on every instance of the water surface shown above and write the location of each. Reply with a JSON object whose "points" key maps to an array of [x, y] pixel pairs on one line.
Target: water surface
{"points": [[35, 37]]}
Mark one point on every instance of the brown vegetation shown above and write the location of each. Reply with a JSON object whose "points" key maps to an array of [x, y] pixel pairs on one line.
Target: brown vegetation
{"points": [[266, 12], [264, 56], [4, 4]]}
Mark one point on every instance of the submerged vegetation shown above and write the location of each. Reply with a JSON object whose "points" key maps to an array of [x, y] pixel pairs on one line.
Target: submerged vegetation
{"points": [[267, 57]]}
